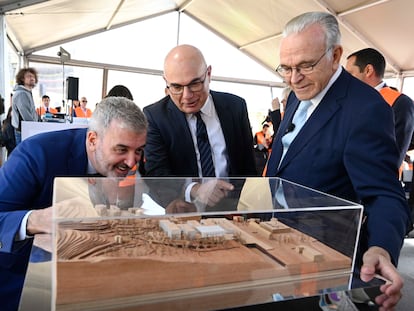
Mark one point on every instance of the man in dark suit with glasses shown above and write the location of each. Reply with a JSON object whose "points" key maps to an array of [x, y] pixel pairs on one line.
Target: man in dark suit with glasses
{"points": [[195, 132]]}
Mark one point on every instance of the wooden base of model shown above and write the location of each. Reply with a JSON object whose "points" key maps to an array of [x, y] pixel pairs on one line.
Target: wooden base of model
{"points": [[189, 264]]}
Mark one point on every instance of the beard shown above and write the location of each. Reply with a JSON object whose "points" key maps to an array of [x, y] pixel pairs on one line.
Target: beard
{"points": [[107, 169]]}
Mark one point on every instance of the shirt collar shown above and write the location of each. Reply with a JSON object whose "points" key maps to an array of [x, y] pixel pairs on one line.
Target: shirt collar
{"points": [[206, 109], [380, 86]]}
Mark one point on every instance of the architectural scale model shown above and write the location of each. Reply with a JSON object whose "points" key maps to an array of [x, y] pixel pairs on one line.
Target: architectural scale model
{"points": [[143, 257]]}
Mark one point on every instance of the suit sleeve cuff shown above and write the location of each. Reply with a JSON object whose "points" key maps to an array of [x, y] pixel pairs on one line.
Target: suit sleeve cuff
{"points": [[187, 194], [22, 234]]}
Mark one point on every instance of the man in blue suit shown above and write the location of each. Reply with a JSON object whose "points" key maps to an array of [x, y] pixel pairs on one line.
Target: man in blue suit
{"points": [[111, 146], [172, 147], [346, 146], [368, 65]]}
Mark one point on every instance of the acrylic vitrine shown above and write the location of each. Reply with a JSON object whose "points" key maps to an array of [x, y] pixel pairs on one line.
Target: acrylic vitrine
{"points": [[148, 244]]}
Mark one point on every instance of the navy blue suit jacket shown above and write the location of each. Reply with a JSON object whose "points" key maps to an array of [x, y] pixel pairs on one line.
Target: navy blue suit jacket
{"points": [[403, 109], [347, 148], [26, 182], [170, 150]]}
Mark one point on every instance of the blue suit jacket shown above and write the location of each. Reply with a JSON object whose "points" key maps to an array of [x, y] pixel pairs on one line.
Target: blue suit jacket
{"points": [[26, 182], [347, 148], [403, 109], [170, 150]]}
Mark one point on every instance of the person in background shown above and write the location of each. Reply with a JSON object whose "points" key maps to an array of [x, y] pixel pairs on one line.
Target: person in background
{"points": [[368, 65], [275, 115], [111, 146], [82, 111], [45, 108], [120, 91], [75, 104], [7, 131], [23, 104], [342, 144], [262, 145]]}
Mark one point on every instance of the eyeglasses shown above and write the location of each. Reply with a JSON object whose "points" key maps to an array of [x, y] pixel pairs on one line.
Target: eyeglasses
{"points": [[84, 101], [195, 86], [304, 69]]}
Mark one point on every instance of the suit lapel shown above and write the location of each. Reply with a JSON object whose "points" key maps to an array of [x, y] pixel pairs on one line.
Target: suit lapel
{"points": [[322, 114], [287, 120], [181, 129], [176, 114], [224, 114]]}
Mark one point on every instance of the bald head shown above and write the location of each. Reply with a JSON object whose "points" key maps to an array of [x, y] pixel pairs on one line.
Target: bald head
{"points": [[187, 77], [185, 57]]}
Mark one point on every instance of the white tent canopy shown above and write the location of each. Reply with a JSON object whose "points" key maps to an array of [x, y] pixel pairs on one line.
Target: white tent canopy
{"points": [[253, 27]]}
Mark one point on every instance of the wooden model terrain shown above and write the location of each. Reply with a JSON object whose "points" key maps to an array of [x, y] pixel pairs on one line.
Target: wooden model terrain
{"points": [[156, 260]]}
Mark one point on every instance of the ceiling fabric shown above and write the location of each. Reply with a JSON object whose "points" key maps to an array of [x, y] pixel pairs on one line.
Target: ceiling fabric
{"points": [[254, 27]]}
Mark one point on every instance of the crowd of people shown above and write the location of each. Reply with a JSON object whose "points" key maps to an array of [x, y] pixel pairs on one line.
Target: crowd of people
{"points": [[330, 132]]}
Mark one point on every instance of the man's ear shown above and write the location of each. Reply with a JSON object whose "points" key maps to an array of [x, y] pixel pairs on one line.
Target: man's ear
{"points": [[91, 139], [369, 71], [337, 54]]}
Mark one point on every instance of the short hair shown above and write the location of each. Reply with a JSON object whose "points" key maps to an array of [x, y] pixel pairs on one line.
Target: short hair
{"points": [[121, 109], [20, 75], [120, 91], [45, 96], [368, 56], [327, 21]]}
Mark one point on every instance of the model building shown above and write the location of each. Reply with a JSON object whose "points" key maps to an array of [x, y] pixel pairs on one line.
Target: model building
{"points": [[137, 258]]}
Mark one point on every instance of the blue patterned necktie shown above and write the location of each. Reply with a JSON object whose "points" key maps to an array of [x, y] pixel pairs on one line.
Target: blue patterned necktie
{"points": [[298, 121], [206, 159]]}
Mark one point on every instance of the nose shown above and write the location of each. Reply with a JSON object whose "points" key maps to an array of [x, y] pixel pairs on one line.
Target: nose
{"points": [[132, 159], [296, 76], [187, 93]]}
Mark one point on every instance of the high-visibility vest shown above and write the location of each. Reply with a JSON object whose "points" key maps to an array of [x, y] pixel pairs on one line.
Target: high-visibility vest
{"points": [[81, 114], [390, 95], [260, 138], [41, 110]]}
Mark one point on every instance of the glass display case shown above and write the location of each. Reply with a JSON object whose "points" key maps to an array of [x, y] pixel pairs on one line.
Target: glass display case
{"points": [[192, 244]]}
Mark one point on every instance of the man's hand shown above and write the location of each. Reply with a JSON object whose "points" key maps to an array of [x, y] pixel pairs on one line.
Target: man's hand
{"points": [[377, 261], [211, 192], [40, 221], [275, 104], [180, 206]]}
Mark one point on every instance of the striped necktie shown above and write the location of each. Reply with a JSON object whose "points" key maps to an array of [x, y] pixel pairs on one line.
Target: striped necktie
{"points": [[206, 159]]}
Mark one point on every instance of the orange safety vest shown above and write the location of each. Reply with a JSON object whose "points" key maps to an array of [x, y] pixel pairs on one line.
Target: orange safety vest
{"points": [[260, 138], [41, 110], [390, 95], [80, 114]]}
